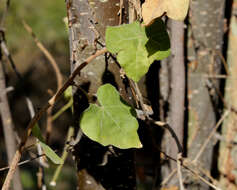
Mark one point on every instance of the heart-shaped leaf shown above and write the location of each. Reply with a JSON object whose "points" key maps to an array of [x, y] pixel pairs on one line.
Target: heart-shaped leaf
{"points": [[138, 46], [111, 123], [175, 9], [129, 42]]}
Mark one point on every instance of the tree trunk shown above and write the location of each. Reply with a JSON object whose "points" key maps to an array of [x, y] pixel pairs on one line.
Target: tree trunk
{"points": [[228, 151], [98, 168], [207, 21]]}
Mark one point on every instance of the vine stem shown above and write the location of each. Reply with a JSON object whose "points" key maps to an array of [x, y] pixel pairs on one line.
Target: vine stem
{"points": [[39, 114]]}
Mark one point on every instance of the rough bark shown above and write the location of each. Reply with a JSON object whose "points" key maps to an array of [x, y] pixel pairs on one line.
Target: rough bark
{"points": [[228, 152], [207, 20], [8, 127], [87, 23]]}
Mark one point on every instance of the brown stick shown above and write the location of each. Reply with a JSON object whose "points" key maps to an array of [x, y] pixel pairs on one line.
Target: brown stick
{"points": [[47, 54], [179, 172], [8, 127], [39, 114], [192, 171], [23, 162], [177, 83], [56, 69]]}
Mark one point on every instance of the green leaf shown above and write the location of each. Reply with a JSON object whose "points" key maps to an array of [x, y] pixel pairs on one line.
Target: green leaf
{"points": [[137, 63], [118, 37], [37, 133], [158, 45], [129, 42], [137, 46], [51, 154], [112, 123], [68, 93], [47, 150]]}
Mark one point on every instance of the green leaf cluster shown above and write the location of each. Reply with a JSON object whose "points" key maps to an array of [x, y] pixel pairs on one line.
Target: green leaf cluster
{"points": [[111, 123], [138, 46]]}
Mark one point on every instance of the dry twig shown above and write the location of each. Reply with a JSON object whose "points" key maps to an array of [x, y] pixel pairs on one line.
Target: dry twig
{"points": [[168, 177], [195, 173], [56, 69], [23, 162], [210, 136], [47, 54], [179, 162]]}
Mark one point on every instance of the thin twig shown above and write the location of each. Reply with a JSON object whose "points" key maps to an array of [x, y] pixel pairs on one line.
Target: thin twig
{"points": [[158, 123], [10, 59], [213, 76], [168, 177], [210, 136], [8, 126], [185, 166], [39, 148], [220, 137], [179, 172], [139, 96], [42, 163], [63, 109], [27, 99], [166, 126], [7, 122], [70, 133], [47, 54], [223, 61], [226, 105], [207, 173], [49, 124], [120, 11], [39, 114], [56, 69], [24, 162]]}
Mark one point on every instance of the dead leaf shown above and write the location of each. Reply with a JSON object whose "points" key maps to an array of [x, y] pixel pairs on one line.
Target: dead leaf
{"points": [[175, 9], [170, 188]]}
